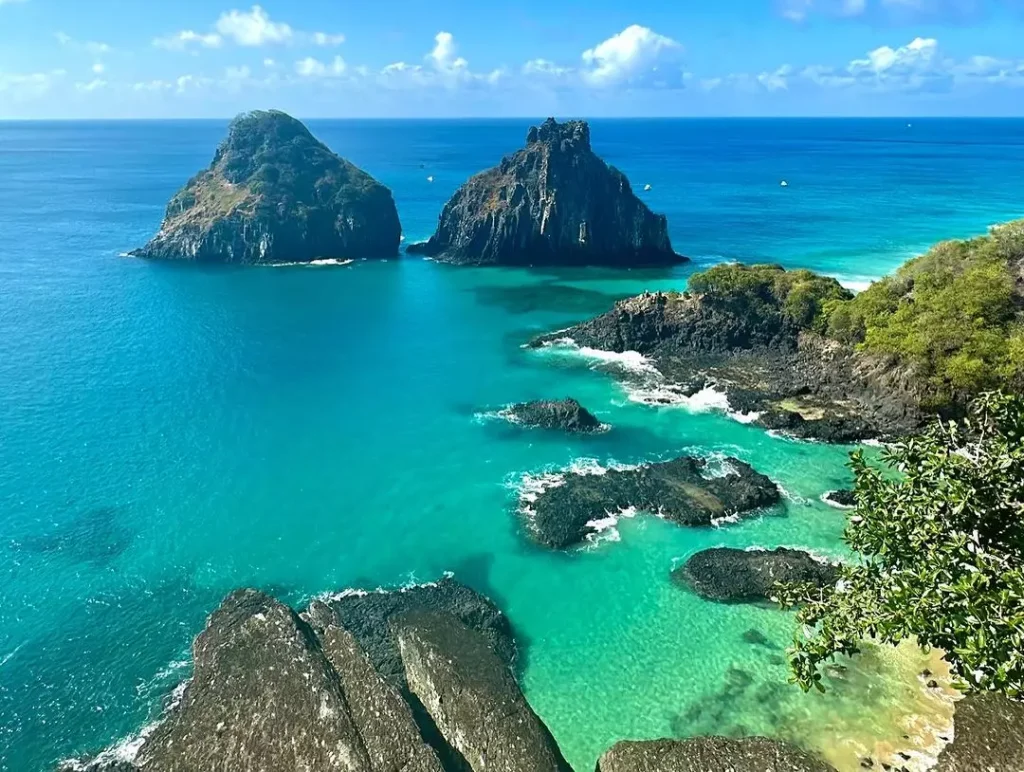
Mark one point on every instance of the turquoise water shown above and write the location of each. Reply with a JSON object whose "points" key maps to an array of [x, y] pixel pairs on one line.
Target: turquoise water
{"points": [[169, 433]]}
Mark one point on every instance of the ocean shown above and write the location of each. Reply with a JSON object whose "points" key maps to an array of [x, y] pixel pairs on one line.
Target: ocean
{"points": [[169, 432]]}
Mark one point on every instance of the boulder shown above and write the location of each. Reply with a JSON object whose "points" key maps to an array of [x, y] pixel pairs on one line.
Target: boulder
{"points": [[275, 194], [842, 498], [263, 696], [684, 490], [372, 617], [746, 576], [709, 754], [568, 415], [988, 736], [473, 698], [554, 202]]}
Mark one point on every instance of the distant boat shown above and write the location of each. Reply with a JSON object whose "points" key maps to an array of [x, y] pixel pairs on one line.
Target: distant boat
{"points": [[647, 187], [430, 178], [784, 184]]}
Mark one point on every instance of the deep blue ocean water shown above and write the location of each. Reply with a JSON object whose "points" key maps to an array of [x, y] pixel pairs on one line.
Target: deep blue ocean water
{"points": [[169, 433]]}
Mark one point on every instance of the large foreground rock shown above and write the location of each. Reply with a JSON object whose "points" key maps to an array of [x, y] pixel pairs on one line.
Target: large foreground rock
{"points": [[568, 415], [684, 490], [373, 617], [746, 576], [988, 736], [274, 194], [555, 202], [263, 697], [709, 754], [474, 699]]}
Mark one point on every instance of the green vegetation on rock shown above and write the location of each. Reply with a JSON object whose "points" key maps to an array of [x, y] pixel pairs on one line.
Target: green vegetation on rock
{"points": [[954, 314], [801, 295], [941, 538]]}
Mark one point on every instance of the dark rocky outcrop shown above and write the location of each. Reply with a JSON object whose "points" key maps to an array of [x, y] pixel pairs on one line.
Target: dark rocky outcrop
{"points": [[274, 194], [263, 696], [276, 691], [555, 202], [988, 736], [797, 381], [746, 576], [709, 754], [843, 498], [371, 617], [682, 490], [473, 698], [565, 414]]}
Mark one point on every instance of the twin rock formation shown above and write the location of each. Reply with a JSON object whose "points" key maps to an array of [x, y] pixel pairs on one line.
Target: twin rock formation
{"points": [[275, 194]]}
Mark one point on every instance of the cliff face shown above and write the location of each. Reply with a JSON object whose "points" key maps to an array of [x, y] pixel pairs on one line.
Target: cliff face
{"points": [[555, 202], [276, 194]]}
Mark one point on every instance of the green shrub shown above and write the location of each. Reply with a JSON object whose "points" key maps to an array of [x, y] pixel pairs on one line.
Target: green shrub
{"points": [[942, 548]]}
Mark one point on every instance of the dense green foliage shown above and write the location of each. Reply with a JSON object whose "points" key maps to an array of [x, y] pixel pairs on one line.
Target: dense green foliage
{"points": [[954, 314], [801, 296], [942, 547], [275, 157]]}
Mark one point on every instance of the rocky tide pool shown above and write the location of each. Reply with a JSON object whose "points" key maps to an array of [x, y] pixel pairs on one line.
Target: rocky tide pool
{"points": [[169, 433]]}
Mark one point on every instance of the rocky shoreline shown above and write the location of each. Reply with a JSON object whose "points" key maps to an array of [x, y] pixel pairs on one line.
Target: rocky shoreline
{"points": [[422, 679], [685, 490], [788, 380]]}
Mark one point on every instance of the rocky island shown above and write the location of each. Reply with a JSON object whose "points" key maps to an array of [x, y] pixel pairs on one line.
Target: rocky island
{"points": [[567, 415], [275, 194], [804, 356], [732, 575], [555, 202], [685, 490]]}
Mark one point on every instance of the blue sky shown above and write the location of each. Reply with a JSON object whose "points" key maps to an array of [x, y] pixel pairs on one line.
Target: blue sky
{"points": [[437, 58]]}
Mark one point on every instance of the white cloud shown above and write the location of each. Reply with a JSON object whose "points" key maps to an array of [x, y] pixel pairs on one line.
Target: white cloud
{"points": [[187, 38], [633, 54], [269, 63], [252, 28], [546, 68], [442, 67], [153, 85], [314, 68], [93, 85], [323, 39], [777, 80], [24, 86], [918, 54], [443, 55], [98, 68]]}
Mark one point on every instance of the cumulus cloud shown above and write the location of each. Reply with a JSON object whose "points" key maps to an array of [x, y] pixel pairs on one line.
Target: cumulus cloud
{"points": [[634, 54], [323, 39], [93, 85], [442, 67], [253, 28], [186, 39], [22, 86], [314, 68]]}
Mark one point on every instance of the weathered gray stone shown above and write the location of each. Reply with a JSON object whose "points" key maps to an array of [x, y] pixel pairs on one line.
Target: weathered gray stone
{"points": [[473, 697], [744, 576], [709, 754], [988, 736]]}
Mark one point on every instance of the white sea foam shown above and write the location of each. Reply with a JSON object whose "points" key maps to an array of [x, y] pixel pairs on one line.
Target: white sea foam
{"points": [[834, 504], [311, 263], [7, 657], [410, 584], [604, 529]]}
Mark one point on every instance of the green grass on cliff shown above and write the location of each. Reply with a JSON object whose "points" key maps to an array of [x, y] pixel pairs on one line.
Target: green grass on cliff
{"points": [[802, 296], [955, 314]]}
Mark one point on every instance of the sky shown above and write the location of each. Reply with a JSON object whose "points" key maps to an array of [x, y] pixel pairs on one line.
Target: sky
{"points": [[98, 59]]}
